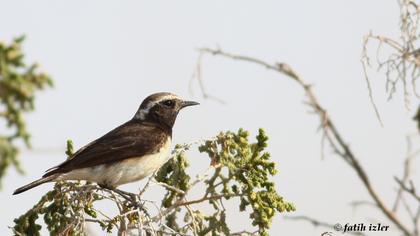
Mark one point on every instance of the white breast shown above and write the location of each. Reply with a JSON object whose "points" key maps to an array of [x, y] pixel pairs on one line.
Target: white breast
{"points": [[126, 171]]}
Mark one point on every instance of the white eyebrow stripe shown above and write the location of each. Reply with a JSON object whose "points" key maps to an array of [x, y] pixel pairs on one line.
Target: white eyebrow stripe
{"points": [[141, 114]]}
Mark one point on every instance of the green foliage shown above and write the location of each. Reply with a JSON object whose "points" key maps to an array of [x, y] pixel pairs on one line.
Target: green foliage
{"points": [[248, 171], [239, 169], [242, 169], [18, 85], [174, 174], [26, 224], [63, 210]]}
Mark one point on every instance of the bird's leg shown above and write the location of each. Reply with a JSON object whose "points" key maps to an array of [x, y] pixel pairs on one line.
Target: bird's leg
{"points": [[130, 197], [127, 195]]}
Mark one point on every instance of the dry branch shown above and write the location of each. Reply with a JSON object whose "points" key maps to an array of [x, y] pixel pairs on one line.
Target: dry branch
{"points": [[401, 62], [331, 133]]}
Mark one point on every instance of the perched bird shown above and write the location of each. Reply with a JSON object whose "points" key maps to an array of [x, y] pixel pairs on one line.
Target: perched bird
{"points": [[126, 154]]}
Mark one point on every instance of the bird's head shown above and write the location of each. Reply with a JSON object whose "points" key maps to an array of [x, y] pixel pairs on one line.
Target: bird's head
{"points": [[162, 108]]}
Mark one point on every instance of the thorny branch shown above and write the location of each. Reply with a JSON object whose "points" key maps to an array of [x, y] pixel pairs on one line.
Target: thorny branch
{"points": [[243, 172], [182, 202], [333, 136], [123, 199]]}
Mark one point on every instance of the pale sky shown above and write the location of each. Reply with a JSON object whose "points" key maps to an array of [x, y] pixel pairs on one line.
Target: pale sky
{"points": [[106, 56]]}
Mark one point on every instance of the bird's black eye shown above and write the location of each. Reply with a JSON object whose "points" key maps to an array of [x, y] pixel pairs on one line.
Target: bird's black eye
{"points": [[169, 103]]}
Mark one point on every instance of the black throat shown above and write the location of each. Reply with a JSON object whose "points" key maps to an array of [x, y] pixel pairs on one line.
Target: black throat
{"points": [[164, 126]]}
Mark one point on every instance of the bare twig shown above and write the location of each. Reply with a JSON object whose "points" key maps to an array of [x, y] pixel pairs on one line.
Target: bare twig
{"points": [[197, 76], [409, 189], [181, 202], [402, 63], [169, 187], [244, 233], [356, 204], [365, 64], [406, 172]]}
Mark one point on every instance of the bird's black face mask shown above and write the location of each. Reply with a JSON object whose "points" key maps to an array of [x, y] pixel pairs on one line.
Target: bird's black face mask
{"points": [[166, 111]]}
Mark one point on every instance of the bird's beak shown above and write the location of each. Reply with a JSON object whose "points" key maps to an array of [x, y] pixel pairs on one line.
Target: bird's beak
{"points": [[189, 103]]}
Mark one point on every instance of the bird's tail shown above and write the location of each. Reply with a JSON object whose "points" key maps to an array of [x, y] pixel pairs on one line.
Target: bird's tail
{"points": [[34, 184]]}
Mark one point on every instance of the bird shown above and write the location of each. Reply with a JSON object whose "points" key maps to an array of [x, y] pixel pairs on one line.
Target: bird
{"points": [[126, 154]]}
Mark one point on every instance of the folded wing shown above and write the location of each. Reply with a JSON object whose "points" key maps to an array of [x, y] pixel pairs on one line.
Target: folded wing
{"points": [[126, 141]]}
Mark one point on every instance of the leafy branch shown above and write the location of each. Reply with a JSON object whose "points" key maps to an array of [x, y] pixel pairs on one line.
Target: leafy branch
{"points": [[238, 169], [18, 86]]}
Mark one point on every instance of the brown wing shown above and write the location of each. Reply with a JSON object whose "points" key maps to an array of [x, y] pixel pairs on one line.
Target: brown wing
{"points": [[131, 139]]}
